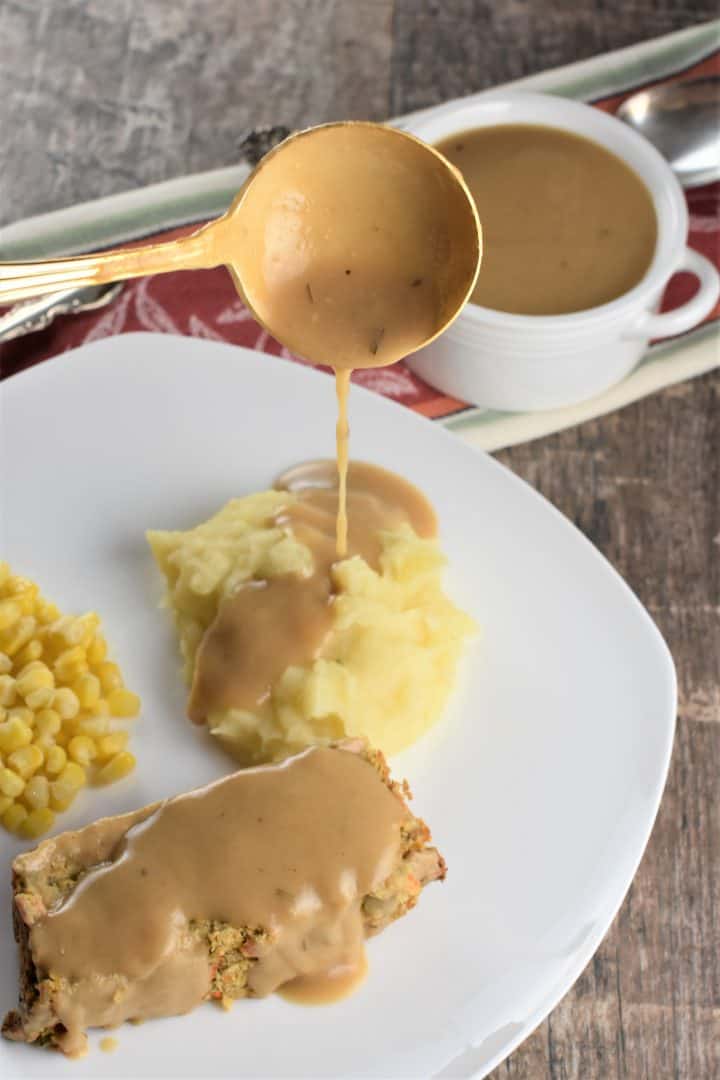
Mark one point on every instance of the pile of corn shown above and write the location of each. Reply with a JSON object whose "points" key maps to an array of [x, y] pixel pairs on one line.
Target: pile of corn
{"points": [[59, 696]]}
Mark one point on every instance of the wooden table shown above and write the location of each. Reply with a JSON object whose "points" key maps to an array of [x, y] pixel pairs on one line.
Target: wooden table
{"points": [[100, 97]]}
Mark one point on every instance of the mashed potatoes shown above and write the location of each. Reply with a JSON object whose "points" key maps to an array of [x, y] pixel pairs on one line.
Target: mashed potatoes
{"points": [[385, 668]]}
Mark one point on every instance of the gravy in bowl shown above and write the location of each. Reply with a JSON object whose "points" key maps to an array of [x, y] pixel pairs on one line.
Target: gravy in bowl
{"points": [[567, 224]]}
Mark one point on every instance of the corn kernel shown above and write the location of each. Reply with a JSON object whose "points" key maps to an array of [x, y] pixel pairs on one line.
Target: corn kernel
{"points": [[72, 654], [13, 735], [72, 672], [116, 768], [10, 783], [61, 628], [55, 760], [93, 726], [110, 677], [31, 651], [14, 817], [26, 601], [27, 668], [74, 630], [46, 613], [34, 676], [109, 745], [24, 592], [36, 793], [87, 689], [73, 775], [123, 703], [10, 612], [66, 703], [8, 690], [21, 714], [82, 749], [61, 795], [51, 647], [57, 693], [97, 650], [26, 760], [18, 635], [86, 627], [36, 823], [47, 722], [40, 698], [44, 742], [71, 629], [17, 584], [70, 665]]}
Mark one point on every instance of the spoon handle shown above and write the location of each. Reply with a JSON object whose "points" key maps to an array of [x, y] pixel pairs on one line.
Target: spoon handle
{"points": [[37, 314], [23, 279]]}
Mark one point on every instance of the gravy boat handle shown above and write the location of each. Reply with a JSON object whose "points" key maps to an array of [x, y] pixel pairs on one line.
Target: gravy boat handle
{"points": [[689, 314]]}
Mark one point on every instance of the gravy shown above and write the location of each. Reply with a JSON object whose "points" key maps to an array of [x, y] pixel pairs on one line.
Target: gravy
{"points": [[267, 626], [567, 224], [346, 258], [329, 986], [354, 256], [342, 442], [256, 849]]}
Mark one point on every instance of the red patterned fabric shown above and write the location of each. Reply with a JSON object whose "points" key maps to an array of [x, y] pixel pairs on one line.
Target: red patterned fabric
{"points": [[204, 304]]}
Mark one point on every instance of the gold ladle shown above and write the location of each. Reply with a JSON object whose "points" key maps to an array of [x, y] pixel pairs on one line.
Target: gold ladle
{"points": [[354, 244]]}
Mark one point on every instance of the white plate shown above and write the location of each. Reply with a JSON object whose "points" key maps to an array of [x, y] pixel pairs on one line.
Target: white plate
{"points": [[541, 785]]}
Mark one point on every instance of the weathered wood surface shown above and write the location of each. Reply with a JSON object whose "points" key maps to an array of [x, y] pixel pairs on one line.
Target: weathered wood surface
{"points": [[644, 485], [99, 97]]}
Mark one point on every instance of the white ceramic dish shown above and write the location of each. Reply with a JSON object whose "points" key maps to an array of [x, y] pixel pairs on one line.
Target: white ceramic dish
{"points": [[528, 362], [541, 784]]}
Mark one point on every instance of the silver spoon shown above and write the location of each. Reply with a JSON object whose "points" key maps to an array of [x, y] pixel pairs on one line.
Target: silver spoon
{"points": [[26, 318], [682, 121]]}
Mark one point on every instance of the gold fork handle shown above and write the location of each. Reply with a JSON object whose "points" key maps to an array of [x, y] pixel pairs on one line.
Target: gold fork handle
{"points": [[24, 279]]}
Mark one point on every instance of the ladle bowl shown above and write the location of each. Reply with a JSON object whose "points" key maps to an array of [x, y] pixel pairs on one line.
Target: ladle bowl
{"points": [[353, 243]]}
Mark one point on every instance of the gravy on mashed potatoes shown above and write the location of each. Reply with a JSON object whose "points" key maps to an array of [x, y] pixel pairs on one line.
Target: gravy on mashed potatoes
{"points": [[284, 646]]}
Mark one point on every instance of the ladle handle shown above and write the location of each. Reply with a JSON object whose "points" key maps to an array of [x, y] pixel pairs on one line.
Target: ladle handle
{"points": [[24, 279]]}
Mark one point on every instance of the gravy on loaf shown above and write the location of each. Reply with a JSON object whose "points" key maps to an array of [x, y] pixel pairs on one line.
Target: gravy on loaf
{"points": [[293, 848]]}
